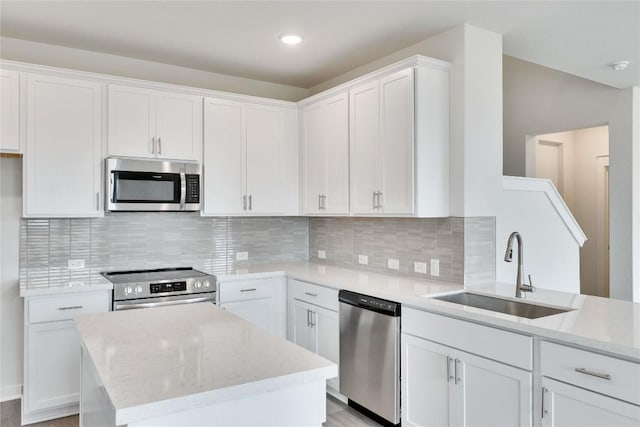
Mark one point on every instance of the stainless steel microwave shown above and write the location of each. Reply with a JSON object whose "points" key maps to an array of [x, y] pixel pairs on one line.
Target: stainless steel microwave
{"points": [[152, 185]]}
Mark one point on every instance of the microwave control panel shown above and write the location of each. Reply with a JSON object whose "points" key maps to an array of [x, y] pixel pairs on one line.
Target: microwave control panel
{"points": [[193, 188]]}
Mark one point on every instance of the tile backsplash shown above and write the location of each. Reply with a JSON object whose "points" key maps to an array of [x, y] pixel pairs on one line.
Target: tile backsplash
{"points": [[450, 240], [465, 247], [122, 241]]}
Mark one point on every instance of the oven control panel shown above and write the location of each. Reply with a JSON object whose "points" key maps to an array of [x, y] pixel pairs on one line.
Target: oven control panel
{"points": [[158, 288]]}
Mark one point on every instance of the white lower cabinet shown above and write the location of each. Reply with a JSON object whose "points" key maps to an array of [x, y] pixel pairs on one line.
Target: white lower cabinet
{"points": [[442, 386], [450, 383], [259, 301], [312, 326], [52, 353], [583, 388], [566, 405]]}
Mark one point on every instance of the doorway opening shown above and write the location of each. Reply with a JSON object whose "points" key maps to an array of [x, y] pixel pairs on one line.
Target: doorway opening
{"points": [[577, 161]]}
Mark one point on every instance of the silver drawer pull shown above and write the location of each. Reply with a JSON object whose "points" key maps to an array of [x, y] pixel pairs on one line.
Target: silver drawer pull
{"points": [[248, 290], [593, 374], [73, 307], [311, 294]]}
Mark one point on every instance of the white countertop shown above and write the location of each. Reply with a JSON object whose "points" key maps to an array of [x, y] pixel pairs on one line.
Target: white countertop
{"points": [[164, 360], [94, 282], [604, 324]]}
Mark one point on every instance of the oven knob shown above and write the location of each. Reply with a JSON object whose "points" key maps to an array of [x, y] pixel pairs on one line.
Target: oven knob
{"points": [[206, 283], [197, 285], [138, 289], [128, 290]]}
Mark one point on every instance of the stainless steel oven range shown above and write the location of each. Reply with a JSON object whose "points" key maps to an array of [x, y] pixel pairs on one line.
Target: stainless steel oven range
{"points": [[160, 287]]}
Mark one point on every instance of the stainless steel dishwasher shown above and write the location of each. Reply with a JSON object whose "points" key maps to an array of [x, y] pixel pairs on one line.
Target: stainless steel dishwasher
{"points": [[370, 355]]}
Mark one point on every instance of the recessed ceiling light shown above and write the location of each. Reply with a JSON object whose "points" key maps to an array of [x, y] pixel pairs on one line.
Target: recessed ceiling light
{"points": [[290, 39], [619, 66]]}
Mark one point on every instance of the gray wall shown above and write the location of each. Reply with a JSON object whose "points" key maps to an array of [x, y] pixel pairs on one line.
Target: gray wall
{"points": [[539, 100]]}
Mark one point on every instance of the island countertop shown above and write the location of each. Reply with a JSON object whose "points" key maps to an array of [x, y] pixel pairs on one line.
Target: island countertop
{"points": [[164, 360]]}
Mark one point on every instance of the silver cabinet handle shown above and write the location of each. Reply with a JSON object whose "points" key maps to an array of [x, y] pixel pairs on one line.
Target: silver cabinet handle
{"points": [[73, 307], [98, 201], [248, 290], [244, 202], [544, 392], [308, 317], [159, 145], [153, 145], [313, 321], [455, 371], [250, 202], [449, 376], [379, 199], [311, 294], [375, 205], [593, 374], [319, 201], [323, 200]]}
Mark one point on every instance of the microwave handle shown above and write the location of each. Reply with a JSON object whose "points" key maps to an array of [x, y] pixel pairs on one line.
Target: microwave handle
{"points": [[183, 189]]}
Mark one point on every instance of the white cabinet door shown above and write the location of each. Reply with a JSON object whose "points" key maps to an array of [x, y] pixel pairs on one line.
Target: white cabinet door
{"points": [[327, 330], [568, 406], [132, 122], [63, 152], [326, 156], [396, 142], [9, 111], [53, 365], [224, 154], [259, 312], [263, 144], [314, 160], [427, 371], [365, 146], [301, 331], [442, 386], [178, 126], [492, 393]]}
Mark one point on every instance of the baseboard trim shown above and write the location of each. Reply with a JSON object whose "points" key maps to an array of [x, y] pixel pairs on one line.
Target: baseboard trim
{"points": [[11, 392]]}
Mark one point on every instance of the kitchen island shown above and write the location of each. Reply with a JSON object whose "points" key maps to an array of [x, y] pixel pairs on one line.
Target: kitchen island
{"points": [[195, 364]]}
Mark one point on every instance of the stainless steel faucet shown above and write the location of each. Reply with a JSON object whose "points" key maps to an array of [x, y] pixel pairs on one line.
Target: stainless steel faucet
{"points": [[508, 257]]}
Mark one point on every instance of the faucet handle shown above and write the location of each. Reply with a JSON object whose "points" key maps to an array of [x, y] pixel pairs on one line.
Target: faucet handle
{"points": [[529, 287]]}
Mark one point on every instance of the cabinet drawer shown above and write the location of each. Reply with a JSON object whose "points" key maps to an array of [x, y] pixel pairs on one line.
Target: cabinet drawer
{"points": [[603, 374], [248, 290], [314, 294], [506, 347], [63, 307]]}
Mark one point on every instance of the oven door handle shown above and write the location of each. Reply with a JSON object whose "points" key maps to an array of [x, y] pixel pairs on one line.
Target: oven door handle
{"points": [[183, 189], [127, 305]]}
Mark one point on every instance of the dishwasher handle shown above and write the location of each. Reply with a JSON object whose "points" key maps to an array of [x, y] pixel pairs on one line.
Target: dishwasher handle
{"points": [[379, 305]]}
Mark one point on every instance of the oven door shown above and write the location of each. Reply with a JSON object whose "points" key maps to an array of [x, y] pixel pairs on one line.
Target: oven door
{"points": [[164, 301]]}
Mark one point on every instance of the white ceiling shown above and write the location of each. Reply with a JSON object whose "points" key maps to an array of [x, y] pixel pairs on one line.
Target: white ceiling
{"points": [[241, 37]]}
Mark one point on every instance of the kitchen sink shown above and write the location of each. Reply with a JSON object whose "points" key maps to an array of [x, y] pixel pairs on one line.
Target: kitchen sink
{"points": [[500, 305]]}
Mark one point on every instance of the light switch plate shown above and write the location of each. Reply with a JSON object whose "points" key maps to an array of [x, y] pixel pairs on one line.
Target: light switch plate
{"points": [[435, 267], [393, 264], [363, 259], [75, 264], [420, 267], [322, 254], [241, 256]]}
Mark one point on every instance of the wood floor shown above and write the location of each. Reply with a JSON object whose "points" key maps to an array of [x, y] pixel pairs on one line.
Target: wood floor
{"points": [[338, 415]]}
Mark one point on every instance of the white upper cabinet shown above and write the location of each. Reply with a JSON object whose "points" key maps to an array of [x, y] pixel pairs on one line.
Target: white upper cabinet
{"points": [[325, 142], [250, 159], [154, 124], [399, 143], [63, 151], [9, 111]]}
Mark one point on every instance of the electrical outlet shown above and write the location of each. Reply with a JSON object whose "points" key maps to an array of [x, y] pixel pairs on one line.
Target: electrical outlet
{"points": [[241, 256], [435, 267], [75, 264], [420, 267], [363, 259], [393, 264], [322, 254]]}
